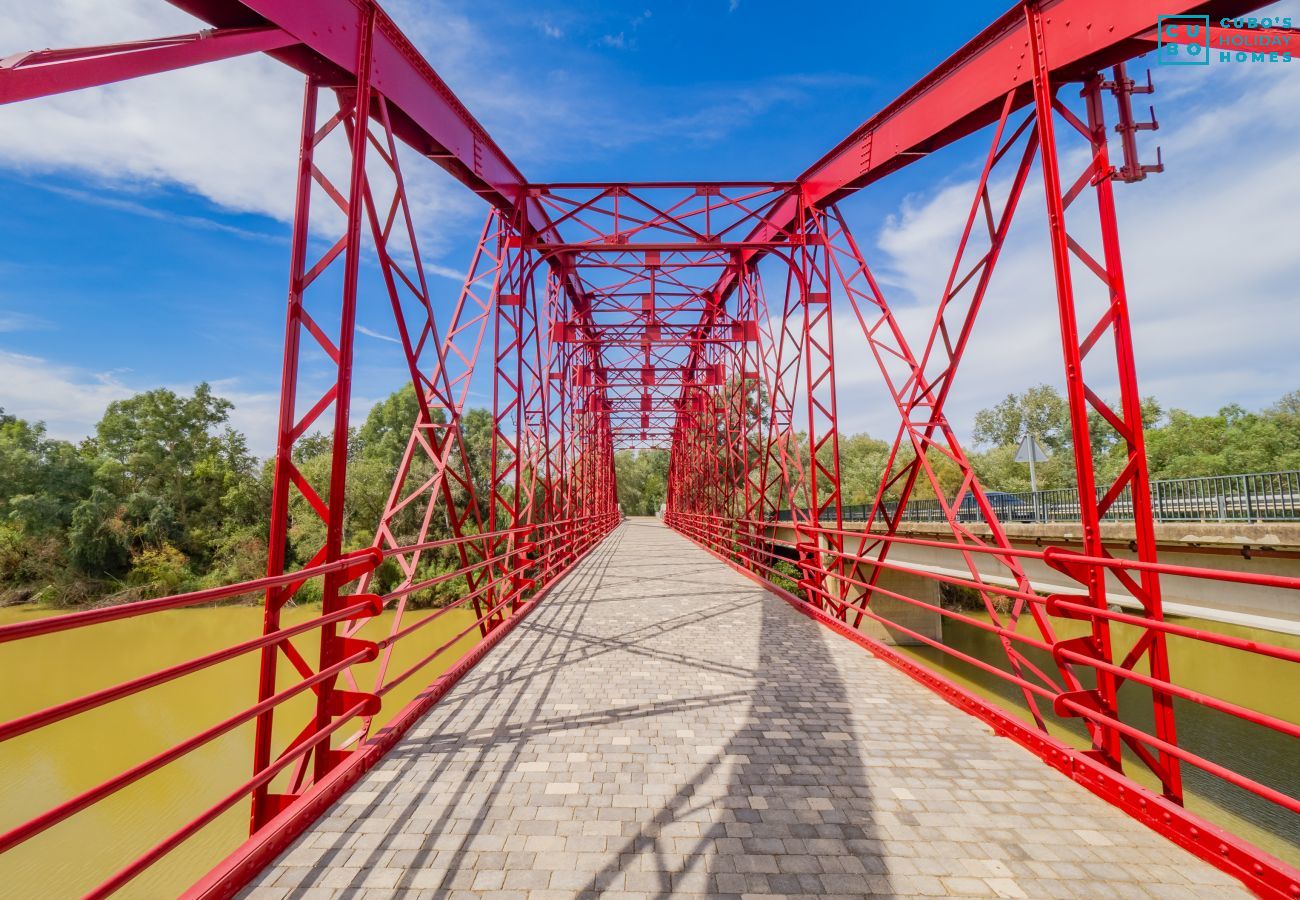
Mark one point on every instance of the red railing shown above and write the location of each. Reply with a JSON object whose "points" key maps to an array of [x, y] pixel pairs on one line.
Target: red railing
{"points": [[516, 579], [842, 597]]}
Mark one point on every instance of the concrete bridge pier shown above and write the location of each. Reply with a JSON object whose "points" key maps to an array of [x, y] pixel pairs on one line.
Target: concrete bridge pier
{"points": [[922, 621], [926, 622]]}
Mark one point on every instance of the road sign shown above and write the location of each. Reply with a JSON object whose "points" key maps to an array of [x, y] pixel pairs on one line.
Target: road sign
{"points": [[1031, 451]]}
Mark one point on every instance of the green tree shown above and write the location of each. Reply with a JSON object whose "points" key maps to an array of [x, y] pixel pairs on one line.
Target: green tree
{"points": [[387, 429], [99, 539], [173, 460], [1040, 411], [1231, 441], [862, 462], [642, 480], [1043, 412], [43, 480]]}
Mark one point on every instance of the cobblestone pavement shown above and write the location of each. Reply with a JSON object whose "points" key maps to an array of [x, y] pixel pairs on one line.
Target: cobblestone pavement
{"points": [[661, 726]]}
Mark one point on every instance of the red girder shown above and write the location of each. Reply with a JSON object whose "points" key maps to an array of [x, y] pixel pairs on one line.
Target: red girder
{"points": [[42, 72]]}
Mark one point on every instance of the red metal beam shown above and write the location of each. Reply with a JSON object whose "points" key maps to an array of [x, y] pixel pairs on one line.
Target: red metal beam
{"points": [[40, 73], [427, 115], [966, 92]]}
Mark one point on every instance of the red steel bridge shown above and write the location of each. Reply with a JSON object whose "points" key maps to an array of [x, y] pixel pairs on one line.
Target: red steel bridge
{"points": [[706, 318]]}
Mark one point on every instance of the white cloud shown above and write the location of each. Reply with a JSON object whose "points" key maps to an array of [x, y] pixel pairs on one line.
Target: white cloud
{"points": [[21, 321], [370, 332], [445, 272], [122, 204], [70, 400], [256, 414], [551, 31], [227, 131]]}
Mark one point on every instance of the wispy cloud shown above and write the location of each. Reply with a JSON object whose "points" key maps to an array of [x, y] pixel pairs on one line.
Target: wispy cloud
{"points": [[228, 131], [449, 272], [225, 131], [70, 399], [117, 202], [370, 332]]}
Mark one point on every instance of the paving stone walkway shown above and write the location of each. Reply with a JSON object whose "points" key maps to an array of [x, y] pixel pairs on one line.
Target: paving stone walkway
{"points": [[660, 726]]}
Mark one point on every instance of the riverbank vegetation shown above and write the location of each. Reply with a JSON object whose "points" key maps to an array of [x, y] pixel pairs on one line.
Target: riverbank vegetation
{"points": [[165, 496]]}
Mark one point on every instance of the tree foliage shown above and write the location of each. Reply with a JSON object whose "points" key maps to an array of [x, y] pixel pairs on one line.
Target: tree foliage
{"points": [[642, 480], [1179, 444], [165, 495]]}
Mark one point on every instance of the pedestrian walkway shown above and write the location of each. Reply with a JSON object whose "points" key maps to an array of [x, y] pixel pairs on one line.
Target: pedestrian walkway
{"points": [[662, 726]]}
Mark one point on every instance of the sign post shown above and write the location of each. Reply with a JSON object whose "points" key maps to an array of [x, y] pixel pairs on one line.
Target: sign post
{"points": [[1031, 451]]}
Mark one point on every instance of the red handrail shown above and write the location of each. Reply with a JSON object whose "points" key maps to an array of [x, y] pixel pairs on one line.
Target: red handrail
{"points": [[519, 571], [358, 562]]}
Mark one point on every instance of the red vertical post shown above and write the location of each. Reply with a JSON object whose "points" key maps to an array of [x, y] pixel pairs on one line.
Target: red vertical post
{"points": [[284, 468], [824, 496], [325, 758], [353, 115], [750, 394], [506, 475], [1077, 344], [920, 389]]}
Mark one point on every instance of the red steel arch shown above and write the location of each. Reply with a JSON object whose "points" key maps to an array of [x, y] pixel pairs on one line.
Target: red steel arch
{"points": [[637, 314]]}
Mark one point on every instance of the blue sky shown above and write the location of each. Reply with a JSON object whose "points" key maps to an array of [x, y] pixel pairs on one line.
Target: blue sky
{"points": [[144, 235]]}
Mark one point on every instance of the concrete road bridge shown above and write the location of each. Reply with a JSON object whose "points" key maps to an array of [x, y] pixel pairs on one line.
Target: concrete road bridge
{"points": [[1268, 549]]}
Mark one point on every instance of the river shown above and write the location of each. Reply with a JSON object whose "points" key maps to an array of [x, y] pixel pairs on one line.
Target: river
{"points": [[40, 769]]}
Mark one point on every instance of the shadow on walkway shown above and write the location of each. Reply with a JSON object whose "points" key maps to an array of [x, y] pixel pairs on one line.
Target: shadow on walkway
{"points": [[662, 726]]}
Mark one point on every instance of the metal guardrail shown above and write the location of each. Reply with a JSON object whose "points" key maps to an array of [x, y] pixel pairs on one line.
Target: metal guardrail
{"points": [[1257, 497]]}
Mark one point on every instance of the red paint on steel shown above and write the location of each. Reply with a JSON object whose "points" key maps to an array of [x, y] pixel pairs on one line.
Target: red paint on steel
{"points": [[263, 846], [697, 317]]}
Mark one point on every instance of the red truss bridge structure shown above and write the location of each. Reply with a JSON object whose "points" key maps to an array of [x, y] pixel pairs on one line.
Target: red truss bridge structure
{"points": [[708, 319]]}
